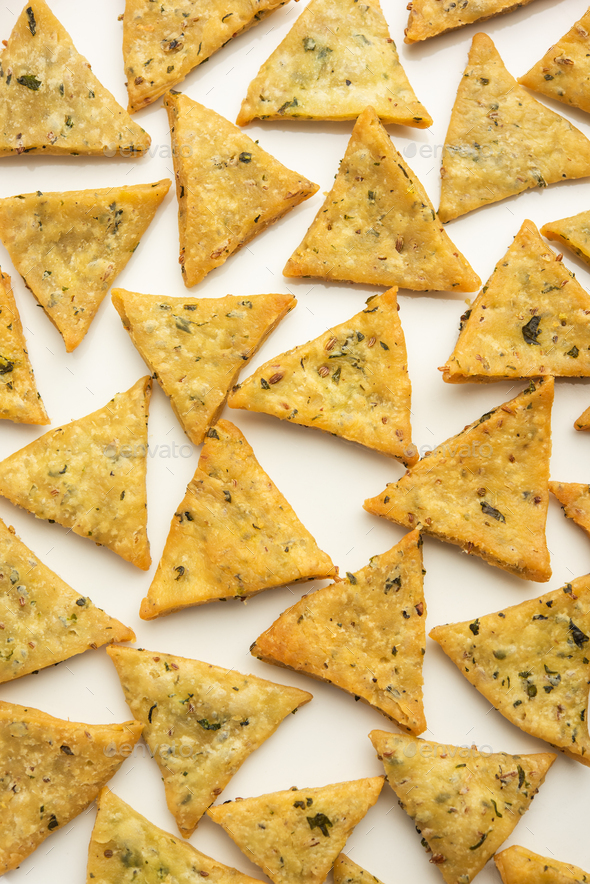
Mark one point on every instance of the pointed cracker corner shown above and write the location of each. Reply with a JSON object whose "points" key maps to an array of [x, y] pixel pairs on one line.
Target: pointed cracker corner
{"points": [[89, 475], [495, 476], [274, 830], [377, 224], [517, 865], [532, 318], [428, 18], [19, 399], [51, 102], [70, 247], [573, 233], [196, 348], [385, 602], [233, 535], [518, 144], [464, 802], [348, 872], [337, 53], [73, 762], [221, 173], [574, 498], [583, 422], [351, 382]]}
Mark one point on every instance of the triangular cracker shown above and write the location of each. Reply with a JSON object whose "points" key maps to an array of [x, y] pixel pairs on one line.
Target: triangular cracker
{"points": [[51, 102], [486, 489], [564, 71], [573, 233], [233, 535], [126, 847], [196, 348], [348, 872], [162, 44], [352, 382], [43, 620], [337, 58], [296, 835], [517, 865], [19, 399], [501, 141], [428, 18], [70, 247], [378, 225], [229, 189], [575, 500], [375, 620], [89, 475], [464, 802], [530, 662], [583, 422], [219, 717], [71, 763], [532, 318]]}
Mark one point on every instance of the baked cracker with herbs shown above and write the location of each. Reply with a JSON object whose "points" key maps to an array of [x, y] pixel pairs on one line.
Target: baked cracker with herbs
{"points": [[337, 58], [19, 399], [296, 835], [531, 661], [464, 803], [70, 247], [517, 865], [428, 18], [487, 488], [572, 232], [501, 141], [72, 763], [583, 422], [196, 348], [163, 43], [348, 872], [218, 717], [229, 189], [365, 634], [89, 475], [233, 535], [574, 498], [532, 318], [377, 224], [352, 382], [51, 102]]}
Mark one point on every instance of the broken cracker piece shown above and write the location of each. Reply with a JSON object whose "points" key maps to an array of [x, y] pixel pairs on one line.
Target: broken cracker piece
{"points": [[428, 18], [573, 233], [487, 488], [89, 475], [575, 500], [517, 865], [196, 348], [583, 422], [365, 634]]}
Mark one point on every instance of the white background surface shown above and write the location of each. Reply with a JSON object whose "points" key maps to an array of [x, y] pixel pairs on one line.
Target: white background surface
{"points": [[325, 479]]}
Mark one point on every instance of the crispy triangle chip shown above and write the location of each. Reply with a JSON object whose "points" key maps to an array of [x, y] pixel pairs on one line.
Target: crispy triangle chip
{"points": [[428, 18], [161, 45], [531, 318], [229, 189], [486, 489], [573, 233], [19, 399], [530, 662], [464, 802], [517, 865], [352, 381], [348, 872], [50, 101], [89, 475], [43, 620], [378, 225], [125, 848], [364, 634], [197, 347], [296, 835], [501, 141], [70, 247], [575, 500], [564, 71], [72, 763], [233, 535], [337, 58], [583, 422], [218, 717]]}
